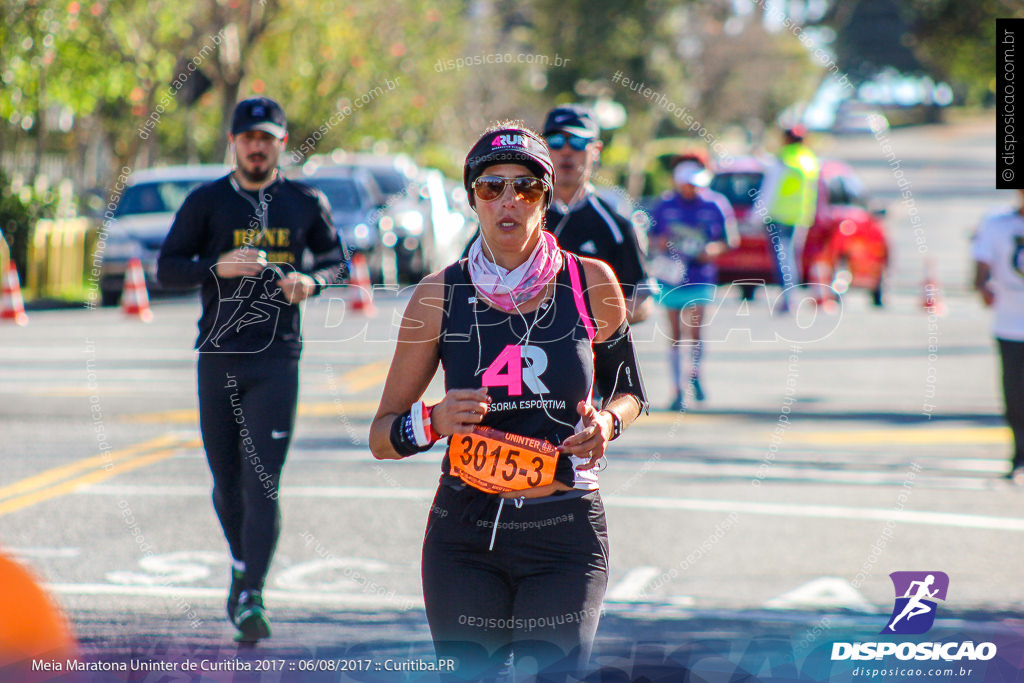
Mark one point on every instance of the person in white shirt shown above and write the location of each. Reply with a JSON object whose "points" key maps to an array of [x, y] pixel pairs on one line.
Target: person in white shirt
{"points": [[998, 252]]}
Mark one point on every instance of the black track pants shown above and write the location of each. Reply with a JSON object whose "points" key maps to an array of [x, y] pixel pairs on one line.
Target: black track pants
{"points": [[246, 414]]}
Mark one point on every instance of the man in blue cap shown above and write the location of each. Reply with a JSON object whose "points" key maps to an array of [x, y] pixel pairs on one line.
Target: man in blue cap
{"points": [[584, 223]]}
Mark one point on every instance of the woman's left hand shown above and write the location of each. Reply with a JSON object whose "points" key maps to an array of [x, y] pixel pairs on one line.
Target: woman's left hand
{"points": [[591, 441]]}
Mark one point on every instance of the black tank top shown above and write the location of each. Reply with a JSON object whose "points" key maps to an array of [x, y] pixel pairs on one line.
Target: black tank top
{"points": [[536, 366]]}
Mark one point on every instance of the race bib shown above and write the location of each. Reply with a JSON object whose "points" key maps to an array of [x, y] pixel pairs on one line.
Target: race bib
{"points": [[688, 240], [666, 268], [497, 462]]}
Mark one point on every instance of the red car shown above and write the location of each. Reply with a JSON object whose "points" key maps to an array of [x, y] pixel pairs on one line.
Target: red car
{"points": [[848, 237]]}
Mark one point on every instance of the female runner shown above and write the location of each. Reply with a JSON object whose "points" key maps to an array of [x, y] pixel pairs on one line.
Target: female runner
{"points": [[515, 556]]}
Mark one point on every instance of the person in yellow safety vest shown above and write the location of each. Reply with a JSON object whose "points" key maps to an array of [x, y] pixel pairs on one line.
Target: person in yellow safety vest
{"points": [[790, 191]]}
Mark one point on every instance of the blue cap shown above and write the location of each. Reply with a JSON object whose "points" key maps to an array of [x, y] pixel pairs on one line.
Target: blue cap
{"points": [[259, 113], [574, 119]]}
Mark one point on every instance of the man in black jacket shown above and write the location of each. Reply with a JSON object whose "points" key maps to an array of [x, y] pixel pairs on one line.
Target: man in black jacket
{"points": [[242, 238], [584, 223]]}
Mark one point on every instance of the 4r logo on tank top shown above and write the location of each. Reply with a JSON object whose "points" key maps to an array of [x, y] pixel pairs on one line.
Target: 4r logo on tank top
{"points": [[516, 366]]}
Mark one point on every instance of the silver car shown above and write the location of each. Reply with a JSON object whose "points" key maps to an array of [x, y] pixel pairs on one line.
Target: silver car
{"points": [[143, 219]]}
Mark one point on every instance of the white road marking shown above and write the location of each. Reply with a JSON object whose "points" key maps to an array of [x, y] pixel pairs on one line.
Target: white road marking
{"points": [[828, 592], [815, 473], [170, 568], [952, 519], [856, 514], [681, 600], [352, 571], [631, 587], [277, 597], [43, 552]]}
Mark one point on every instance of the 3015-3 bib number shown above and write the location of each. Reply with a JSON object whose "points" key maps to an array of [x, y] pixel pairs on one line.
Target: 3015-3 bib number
{"points": [[497, 462]]}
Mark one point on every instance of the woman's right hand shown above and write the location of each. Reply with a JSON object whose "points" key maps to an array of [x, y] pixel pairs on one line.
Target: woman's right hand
{"points": [[459, 411]]}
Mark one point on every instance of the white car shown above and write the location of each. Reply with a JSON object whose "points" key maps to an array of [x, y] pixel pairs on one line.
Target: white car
{"points": [[859, 118], [142, 220]]}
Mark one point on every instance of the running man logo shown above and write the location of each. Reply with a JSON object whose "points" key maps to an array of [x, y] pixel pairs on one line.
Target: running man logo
{"points": [[257, 300], [516, 372], [916, 592], [508, 141]]}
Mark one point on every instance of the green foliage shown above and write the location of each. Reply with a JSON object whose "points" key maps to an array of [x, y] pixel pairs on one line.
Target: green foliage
{"points": [[870, 36], [949, 40], [600, 37], [20, 209], [956, 40], [381, 76], [356, 73]]}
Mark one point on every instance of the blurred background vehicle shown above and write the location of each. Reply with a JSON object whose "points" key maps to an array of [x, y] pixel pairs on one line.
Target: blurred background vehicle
{"points": [[848, 235], [356, 207], [392, 173], [429, 225], [426, 216], [142, 220], [420, 219], [854, 117]]}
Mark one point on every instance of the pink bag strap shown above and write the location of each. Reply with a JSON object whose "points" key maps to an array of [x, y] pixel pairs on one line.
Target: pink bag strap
{"points": [[573, 264]]}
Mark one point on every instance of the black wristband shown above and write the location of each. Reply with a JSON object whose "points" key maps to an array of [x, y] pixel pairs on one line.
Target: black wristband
{"points": [[401, 436], [616, 426]]}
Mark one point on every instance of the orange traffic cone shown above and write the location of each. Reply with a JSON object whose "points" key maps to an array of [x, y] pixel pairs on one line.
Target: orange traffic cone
{"points": [[821, 283], [31, 624], [134, 297], [932, 294], [12, 306], [362, 298]]}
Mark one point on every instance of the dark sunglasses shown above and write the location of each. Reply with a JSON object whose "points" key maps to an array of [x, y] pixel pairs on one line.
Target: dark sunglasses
{"points": [[490, 187], [558, 140]]}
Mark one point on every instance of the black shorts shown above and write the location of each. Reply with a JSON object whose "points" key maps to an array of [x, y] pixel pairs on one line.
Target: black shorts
{"points": [[537, 593]]}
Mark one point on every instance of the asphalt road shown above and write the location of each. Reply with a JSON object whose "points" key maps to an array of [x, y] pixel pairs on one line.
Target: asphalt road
{"points": [[748, 534]]}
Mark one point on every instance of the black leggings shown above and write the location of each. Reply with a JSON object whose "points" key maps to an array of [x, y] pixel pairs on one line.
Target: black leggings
{"points": [[1012, 355], [246, 415], [538, 593]]}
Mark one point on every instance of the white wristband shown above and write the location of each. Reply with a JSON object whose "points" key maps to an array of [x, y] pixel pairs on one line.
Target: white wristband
{"points": [[420, 430]]}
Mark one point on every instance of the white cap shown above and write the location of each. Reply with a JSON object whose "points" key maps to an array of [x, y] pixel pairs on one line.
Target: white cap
{"points": [[691, 173]]}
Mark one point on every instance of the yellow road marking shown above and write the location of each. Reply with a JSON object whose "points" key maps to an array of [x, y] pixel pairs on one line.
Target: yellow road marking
{"points": [[57, 473], [907, 435], [73, 391], [328, 408], [164, 416], [910, 435], [97, 475], [670, 417], [367, 376], [313, 409]]}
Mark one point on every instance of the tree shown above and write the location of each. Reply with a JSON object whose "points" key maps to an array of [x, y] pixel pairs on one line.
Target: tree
{"points": [[949, 40], [956, 41], [117, 63], [352, 75], [691, 67], [242, 25], [870, 36]]}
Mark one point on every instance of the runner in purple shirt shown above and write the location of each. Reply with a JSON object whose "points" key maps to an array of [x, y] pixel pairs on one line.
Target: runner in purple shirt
{"points": [[689, 228]]}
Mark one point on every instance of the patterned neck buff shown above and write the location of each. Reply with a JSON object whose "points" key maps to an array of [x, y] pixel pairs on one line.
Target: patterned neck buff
{"points": [[507, 289]]}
